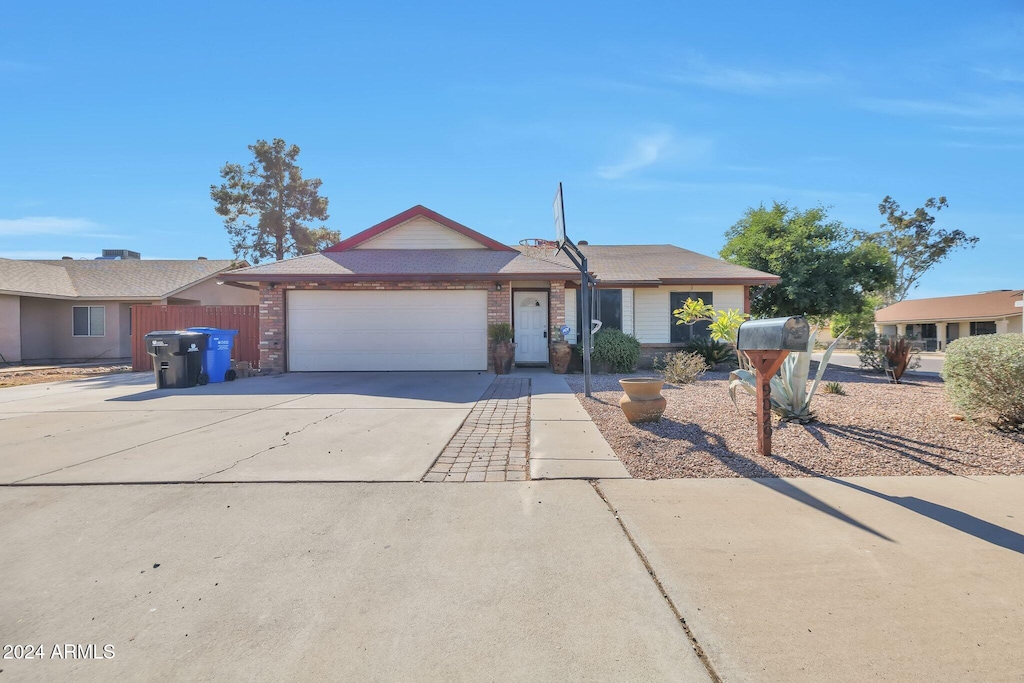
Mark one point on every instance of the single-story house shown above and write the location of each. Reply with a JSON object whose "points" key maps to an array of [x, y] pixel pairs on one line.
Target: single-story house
{"points": [[418, 291], [940, 320], [80, 309]]}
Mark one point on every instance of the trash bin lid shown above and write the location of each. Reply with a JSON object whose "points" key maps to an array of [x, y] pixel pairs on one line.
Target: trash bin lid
{"points": [[212, 330]]}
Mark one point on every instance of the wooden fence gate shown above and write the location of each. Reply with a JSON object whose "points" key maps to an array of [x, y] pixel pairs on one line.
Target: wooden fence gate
{"points": [[245, 319]]}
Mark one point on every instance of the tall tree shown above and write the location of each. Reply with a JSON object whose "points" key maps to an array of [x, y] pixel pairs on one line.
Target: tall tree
{"points": [[914, 242], [824, 269], [267, 205]]}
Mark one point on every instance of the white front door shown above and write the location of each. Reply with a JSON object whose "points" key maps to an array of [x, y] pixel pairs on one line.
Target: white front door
{"points": [[530, 311]]}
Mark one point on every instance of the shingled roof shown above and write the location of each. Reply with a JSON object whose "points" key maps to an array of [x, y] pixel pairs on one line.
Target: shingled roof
{"points": [[406, 264], [105, 279], [658, 264], [983, 306]]}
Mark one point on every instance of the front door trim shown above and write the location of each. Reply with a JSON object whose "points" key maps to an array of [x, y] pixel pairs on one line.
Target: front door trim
{"points": [[532, 350]]}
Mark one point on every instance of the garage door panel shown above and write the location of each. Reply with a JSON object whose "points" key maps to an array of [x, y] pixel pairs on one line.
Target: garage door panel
{"points": [[406, 330]]}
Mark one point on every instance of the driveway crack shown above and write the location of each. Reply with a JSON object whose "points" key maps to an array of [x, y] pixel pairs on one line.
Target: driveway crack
{"points": [[284, 442], [697, 649]]}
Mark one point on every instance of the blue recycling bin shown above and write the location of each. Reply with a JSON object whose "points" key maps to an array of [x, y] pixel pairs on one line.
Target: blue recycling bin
{"points": [[217, 356]]}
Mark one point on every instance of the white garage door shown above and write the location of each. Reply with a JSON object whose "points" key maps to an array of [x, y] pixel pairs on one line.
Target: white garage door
{"points": [[415, 330]]}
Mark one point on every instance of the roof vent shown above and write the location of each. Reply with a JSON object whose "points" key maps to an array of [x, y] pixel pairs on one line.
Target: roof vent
{"points": [[66, 258], [123, 254], [201, 258], [582, 243]]}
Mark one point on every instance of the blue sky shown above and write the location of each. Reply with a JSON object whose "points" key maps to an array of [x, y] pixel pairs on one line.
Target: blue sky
{"points": [[665, 121]]}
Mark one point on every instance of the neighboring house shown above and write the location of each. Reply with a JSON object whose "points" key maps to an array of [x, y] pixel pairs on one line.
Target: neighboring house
{"points": [[80, 310], [938, 321], [417, 292]]}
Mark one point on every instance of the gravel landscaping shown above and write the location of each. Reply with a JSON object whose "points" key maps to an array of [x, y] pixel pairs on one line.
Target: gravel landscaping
{"points": [[876, 429], [21, 375]]}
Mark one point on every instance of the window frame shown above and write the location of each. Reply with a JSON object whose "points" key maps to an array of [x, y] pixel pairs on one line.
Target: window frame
{"points": [[974, 327], [680, 334], [89, 321], [596, 304]]}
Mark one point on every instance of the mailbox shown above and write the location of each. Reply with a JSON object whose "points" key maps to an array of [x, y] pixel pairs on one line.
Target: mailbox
{"points": [[774, 334]]}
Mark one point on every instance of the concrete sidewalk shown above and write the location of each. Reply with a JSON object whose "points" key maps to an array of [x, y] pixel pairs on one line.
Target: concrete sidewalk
{"points": [[518, 581], [564, 442], [887, 578]]}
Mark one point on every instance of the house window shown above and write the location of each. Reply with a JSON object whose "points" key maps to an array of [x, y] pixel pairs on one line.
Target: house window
{"points": [[683, 333], [986, 327], [89, 321], [607, 307]]}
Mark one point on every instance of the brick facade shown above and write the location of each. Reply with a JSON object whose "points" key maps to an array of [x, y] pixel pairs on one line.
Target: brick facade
{"points": [[273, 336], [556, 312]]}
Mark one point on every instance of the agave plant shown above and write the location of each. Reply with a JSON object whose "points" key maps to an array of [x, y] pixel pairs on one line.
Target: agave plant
{"points": [[790, 399]]}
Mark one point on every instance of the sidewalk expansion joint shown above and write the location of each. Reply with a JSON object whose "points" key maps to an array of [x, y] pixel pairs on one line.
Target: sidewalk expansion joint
{"points": [[697, 649]]}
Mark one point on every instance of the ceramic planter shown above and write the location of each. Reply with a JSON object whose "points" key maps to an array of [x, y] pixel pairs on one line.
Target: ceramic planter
{"points": [[560, 352], [642, 401], [504, 356]]}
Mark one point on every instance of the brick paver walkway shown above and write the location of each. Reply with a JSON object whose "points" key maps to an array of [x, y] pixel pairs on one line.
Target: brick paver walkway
{"points": [[493, 442]]}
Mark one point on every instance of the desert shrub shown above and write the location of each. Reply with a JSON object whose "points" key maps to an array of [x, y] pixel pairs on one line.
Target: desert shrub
{"points": [[985, 379], [835, 388], [681, 367], [712, 351], [874, 347], [616, 349]]}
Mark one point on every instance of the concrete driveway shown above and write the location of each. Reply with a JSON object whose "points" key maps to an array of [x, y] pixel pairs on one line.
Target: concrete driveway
{"points": [[295, 427], [350, 582]]}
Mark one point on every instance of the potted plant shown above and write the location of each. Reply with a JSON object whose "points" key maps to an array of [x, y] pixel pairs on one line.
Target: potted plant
{"points": [[504, 353], [559, 353], [642, 400]]}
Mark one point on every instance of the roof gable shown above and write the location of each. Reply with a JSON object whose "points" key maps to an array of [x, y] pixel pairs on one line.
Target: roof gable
{"points": [[418, 228]]}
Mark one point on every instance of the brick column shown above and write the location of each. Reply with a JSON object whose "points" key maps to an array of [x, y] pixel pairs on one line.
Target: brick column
{"points": [[272, 336], [556, 302], [499, 310]]}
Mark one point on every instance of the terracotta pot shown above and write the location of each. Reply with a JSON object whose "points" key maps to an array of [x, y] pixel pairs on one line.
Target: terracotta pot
{"points": [[642, 401], [560, 353], [504, 356]]}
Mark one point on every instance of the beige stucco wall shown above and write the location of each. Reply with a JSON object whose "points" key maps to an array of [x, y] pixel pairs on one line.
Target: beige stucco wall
{"points": [[209, 293], [10, 328], [652, 318], [46, 331]]}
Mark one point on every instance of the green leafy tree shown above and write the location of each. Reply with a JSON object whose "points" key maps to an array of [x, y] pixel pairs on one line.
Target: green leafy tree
{"points": [[915, 243], [824, 269], [861, 322], [268, 205]]}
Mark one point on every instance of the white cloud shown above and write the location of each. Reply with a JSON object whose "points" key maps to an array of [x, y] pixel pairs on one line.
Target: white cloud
{"points": [[745, 81], [653, 148], [1005, 106], [1003, 75], [50, 225]]}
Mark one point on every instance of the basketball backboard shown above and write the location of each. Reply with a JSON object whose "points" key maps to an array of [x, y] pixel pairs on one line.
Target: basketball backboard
{"points": [[559, 211]]}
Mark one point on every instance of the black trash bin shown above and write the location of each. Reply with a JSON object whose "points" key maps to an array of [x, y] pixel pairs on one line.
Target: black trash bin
{"points": [[177, 358]]}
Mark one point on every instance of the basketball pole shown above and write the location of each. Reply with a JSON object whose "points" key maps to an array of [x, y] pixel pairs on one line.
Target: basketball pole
{"points": [[569, 248]]}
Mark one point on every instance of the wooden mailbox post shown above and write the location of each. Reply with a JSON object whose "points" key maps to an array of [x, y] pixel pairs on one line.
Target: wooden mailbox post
{"points": [[767, 343]]}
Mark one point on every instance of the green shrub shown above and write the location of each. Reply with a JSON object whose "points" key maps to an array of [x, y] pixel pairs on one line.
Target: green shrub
{"points": [[681, 367], [500, 332], [985, 379], [835, 388], [616, 349], [712, 351]]}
